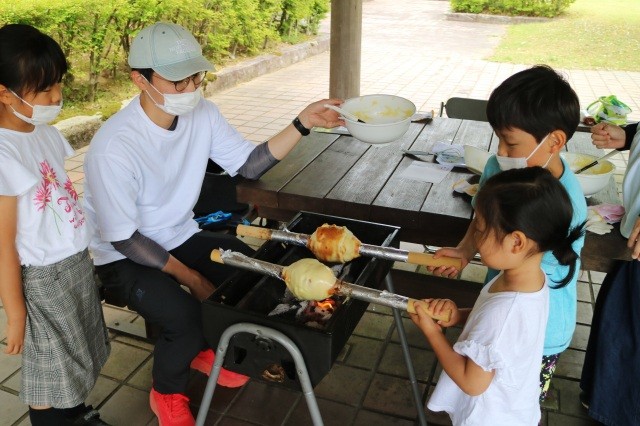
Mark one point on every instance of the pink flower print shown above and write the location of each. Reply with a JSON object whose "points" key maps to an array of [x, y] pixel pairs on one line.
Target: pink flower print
{"points": [[49, 174], [43, 196], [68, 185], [42, 200]]}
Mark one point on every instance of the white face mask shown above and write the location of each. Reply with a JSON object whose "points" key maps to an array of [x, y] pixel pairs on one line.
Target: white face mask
{"points": [[177, 103], [42, 114], [508, 163]]}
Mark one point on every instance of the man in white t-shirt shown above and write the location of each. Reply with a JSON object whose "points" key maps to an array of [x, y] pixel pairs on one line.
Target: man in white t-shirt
{"points": [[144, 170]]}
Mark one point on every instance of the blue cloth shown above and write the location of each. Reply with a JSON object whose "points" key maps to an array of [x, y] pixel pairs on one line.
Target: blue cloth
{"points": [[611, 370], [562, 301], [216, 217]]}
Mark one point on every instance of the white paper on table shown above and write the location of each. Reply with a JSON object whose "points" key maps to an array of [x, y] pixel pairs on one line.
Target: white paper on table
{"points": [[426, 172], [340, 130], [455, 149]]}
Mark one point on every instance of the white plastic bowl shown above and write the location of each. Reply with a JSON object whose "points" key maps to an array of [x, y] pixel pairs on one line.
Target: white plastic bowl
{"points": [[475, 158], [386, 117], [594, 179]]}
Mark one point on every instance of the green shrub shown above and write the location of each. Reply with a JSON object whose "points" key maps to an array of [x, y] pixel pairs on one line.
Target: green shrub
{"points": [[545, 8], [109, 109], [95, 35]]}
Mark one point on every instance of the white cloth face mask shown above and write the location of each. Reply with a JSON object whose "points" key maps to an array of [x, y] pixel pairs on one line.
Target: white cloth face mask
{"points": [[508, 163], [177, 103], [42, 114]]}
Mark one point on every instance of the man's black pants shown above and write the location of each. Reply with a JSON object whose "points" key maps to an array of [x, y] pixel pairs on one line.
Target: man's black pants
{"points": [[159, 299]]}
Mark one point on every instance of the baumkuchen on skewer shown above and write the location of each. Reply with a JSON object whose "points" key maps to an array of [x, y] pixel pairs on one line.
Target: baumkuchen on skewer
{"points": [[332, 243], [309, 279]]}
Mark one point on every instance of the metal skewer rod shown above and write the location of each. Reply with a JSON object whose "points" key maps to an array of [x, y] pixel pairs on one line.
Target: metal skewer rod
{"points": [[368, 250], [341, 288]]}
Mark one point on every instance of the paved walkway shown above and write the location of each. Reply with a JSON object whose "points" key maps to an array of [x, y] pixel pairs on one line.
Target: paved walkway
{"points": [[408, 49]]}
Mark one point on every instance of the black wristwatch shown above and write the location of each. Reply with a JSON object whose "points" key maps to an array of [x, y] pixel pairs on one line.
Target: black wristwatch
{"points": [[298, 125]]}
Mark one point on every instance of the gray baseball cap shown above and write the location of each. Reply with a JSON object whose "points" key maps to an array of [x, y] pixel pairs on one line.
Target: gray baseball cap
{"points": [[168, 49]]}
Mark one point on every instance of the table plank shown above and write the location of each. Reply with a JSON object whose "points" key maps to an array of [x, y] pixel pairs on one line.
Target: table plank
{"points": [[400, 200], [363, 182], [264, 192], [345, 177], [441, 199], [446, 215], [308, 189]]}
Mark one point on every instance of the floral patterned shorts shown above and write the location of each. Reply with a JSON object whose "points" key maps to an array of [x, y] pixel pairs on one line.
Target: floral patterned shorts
{"points": [[549, 363]]}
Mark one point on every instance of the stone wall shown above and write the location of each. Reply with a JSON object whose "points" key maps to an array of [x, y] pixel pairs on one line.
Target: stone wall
{"points": [[80, 129]]}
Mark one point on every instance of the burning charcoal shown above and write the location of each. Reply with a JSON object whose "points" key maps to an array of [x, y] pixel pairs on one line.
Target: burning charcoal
{"points": [[317, 314], [283, 308]]}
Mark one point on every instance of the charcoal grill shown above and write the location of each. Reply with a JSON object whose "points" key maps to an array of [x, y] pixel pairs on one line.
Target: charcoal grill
{"points": [[248, 297]]}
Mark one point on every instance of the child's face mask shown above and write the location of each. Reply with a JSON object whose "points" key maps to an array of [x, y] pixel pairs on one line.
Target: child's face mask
{"points": [[508, 163], [177, 103], [42, 114]]}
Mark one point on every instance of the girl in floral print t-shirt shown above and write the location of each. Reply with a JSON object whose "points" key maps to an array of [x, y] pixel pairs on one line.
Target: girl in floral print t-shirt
{"points": [[49, 295]]}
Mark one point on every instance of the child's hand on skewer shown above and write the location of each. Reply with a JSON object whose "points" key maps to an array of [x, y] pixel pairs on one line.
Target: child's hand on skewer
{"points": [[439, 307], [428, 307]]}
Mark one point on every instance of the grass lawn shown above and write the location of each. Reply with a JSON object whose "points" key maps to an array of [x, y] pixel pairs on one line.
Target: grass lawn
{"points": [[593, 34]]}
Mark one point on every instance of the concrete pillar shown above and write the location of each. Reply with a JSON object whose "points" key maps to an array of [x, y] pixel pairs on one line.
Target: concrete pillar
{"points": [[346, 44]]}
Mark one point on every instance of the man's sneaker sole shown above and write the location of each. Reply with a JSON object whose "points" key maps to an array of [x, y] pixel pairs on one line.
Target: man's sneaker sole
{"points": [[226, 378]]}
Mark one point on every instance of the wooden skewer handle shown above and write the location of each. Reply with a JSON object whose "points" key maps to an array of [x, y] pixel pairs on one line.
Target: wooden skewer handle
{"points": [[253, 231], [216, 256], [427, 259], [445, 316]]}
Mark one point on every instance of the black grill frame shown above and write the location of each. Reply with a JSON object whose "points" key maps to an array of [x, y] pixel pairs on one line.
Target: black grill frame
{"points": [[243, 297]]}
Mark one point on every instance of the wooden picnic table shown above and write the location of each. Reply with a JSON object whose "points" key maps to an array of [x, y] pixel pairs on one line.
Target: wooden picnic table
{"points": [[342, 176]]}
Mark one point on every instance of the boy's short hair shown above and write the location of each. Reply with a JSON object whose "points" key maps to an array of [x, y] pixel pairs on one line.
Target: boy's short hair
{"points": [[537, 100]]}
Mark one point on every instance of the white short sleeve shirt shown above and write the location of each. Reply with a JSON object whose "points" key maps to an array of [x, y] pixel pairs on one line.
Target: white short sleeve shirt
{"points": [[142, 177], [504, 332], [51, 223]]}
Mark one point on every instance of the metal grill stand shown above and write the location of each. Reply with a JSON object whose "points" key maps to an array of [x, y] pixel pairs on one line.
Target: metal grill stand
{"points": [[268, 333], [301, 367], [402, 336]]}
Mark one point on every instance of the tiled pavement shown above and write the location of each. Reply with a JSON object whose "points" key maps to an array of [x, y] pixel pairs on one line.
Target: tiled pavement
{"points": [[409, 49]]}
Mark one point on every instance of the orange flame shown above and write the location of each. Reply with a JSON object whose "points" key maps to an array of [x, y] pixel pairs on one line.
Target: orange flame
{"points": [[327, 304]]}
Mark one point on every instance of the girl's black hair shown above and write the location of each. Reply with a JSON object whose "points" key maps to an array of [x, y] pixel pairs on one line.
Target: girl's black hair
{"points": [[537, 100], [534, 202], [30, 61]]}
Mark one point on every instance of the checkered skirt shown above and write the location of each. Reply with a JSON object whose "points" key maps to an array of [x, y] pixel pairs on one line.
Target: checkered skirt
{"points": [[66, 341]]}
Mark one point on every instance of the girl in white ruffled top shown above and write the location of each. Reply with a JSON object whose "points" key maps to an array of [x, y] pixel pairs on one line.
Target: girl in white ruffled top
{"points": [[491, 375]]}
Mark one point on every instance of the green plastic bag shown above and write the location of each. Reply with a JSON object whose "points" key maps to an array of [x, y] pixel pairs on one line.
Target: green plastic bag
{"points": [[609, 109]]}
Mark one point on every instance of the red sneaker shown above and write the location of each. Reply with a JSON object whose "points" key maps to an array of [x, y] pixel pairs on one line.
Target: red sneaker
{"points": [[172, 409], [203, 362]]}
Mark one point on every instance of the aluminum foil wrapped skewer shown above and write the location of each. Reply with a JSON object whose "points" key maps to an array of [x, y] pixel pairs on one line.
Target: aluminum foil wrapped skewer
{"points": [[332, 243], [315, 281]]}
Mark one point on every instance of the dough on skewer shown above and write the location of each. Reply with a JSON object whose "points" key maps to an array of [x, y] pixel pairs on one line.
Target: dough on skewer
{"points": [[309, 279], [332, 243]]}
